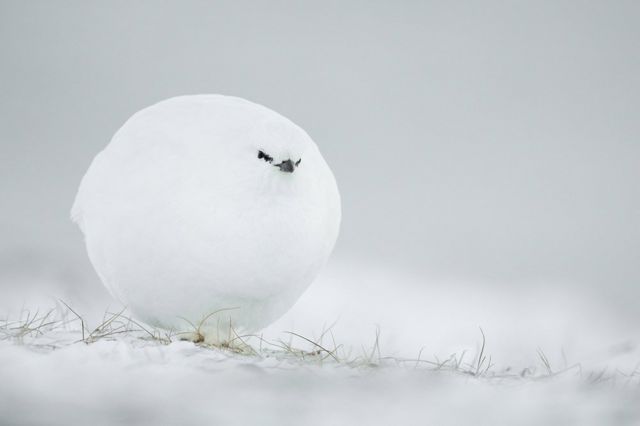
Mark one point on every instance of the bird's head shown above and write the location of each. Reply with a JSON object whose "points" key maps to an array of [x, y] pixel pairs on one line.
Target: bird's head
{"points": [[280, 146], [245, 148]]}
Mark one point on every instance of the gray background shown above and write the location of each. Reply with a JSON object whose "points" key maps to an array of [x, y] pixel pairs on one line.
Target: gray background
{"points": [[489, 141]]}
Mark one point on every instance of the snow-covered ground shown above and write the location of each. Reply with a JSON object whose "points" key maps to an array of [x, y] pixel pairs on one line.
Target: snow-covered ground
{"points": [[390, 347]]}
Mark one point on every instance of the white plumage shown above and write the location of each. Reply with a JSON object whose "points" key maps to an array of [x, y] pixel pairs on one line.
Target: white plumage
{"points": [[197, 206]]}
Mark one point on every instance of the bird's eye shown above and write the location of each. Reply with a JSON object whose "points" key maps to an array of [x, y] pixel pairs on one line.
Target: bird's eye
{"points": [[265, 157], [298, 162]]}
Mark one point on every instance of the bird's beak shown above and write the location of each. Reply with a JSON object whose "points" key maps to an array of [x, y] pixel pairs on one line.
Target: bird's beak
{"points": [[286, 166]]}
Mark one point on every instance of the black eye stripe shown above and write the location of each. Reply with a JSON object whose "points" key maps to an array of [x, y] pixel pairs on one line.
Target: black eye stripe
{"points": [[264, 156]]}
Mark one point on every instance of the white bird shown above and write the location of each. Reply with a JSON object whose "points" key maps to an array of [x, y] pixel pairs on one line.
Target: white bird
{"points": [[208, 211]]}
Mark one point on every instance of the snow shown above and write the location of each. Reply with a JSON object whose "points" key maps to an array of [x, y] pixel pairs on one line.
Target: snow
{"points": [[121, 382], [53, 377]]}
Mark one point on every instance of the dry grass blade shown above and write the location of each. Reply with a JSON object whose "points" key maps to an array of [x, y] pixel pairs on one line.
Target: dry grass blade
{"points": [[315, 344], [77, 315], [545, 361], [481, 356], [376, 345]]}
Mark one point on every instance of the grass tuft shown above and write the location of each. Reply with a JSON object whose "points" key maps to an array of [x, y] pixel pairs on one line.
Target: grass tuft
{"points": [[63, 325]]}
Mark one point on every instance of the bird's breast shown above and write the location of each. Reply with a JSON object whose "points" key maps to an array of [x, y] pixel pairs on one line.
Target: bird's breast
{"points": [[262, 243]]}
